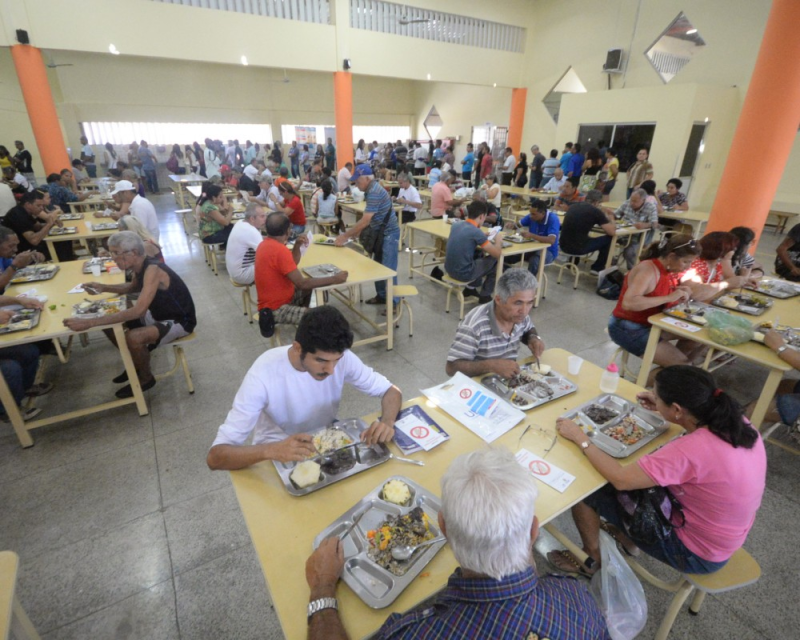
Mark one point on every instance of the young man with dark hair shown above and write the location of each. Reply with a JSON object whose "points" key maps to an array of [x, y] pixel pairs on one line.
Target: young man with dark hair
{"points": [[293, 390]]}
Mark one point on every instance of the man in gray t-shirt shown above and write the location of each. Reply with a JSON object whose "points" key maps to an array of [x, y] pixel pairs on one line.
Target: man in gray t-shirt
{"points": [[460, 261]]}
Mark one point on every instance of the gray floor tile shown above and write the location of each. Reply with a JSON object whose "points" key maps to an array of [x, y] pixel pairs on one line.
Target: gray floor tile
{"points": [[61, 586], [148, 615], [226, 598], [204, 528]]}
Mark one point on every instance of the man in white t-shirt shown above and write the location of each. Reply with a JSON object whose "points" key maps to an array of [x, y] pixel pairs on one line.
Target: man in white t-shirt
{"points": [[343, 178], [270, 194], [291, 391], [409, 197], [509, 164], [7, 199], [240, 253], [420, 160], [211, 160], [132, 203], [251, 170]]}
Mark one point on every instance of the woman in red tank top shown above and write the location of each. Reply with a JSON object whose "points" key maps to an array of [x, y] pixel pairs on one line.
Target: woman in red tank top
{"points": [[712, 271], [648, 288]]}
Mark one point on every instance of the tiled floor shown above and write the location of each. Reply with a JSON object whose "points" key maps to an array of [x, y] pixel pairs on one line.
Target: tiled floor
{"points": [[124, 533]]}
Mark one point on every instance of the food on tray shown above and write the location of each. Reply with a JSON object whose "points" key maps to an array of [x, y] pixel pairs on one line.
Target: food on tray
{"points": [[330, 440], [339, 461], [305, 474], [411, 529], [519, 401], [519, 380], [543, 369], [100, 307], [600, 414], [396, 491], [728, 302], [627, 432]]}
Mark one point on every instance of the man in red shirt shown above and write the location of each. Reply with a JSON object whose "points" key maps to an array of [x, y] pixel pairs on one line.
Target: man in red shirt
{"points": [[442, 200], [487, 163], [569, 195], [280, 285]]}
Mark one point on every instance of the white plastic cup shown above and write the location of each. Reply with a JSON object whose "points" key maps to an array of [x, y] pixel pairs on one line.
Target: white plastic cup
{"points": [[574, 365], [95, 270], [444, 217], [89, 226]]}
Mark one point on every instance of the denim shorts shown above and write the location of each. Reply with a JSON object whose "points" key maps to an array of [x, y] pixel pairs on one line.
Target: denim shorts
{"points": [[788, 406], [629, 335], [671, 551]]}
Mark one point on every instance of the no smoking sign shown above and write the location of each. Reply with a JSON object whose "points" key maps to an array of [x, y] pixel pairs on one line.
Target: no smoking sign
{"points": [[465, 393], [420, 433], [539, 467]]}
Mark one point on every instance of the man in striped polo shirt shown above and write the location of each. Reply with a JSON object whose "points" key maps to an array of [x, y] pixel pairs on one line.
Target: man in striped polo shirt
{"points": [[240, 254], [488, 339]]}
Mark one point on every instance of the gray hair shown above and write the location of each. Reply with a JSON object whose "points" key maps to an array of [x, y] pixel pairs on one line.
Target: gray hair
{"points": [[639, 192], [403, 177], [130, 223], [268, 179], [252, 210], [130, 175], [127, 241], [479, 195], [594, 196], [513, 281], [488, 506]]}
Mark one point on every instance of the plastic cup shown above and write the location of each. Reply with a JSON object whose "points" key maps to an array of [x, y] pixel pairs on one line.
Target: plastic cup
{"points": [[95, 270], [444, 217], [574, 365]]}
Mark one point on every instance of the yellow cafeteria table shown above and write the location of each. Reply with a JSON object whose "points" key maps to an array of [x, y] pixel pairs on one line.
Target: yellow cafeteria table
{"points": [[789, 313], [51, 327], [13, 618], [94, 202], [180, 182], [695, 218], [623, 231], [438, 228], [360, 270], [82, 235], [283, 527], [358, 208]]}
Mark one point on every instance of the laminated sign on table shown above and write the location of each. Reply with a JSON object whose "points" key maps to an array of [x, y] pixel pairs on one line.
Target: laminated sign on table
{"points": [[473, 405], [545, 471]]}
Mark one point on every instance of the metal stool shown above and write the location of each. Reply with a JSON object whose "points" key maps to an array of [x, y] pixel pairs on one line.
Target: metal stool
{"points": [[458, 286], [180, 361], [403, 291], [570, 266], [247, 298]]}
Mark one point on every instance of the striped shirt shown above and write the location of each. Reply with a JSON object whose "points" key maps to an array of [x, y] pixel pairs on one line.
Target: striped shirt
{"points": [[646, 213], [518, 607], [379, 203], [478, 337], [240, 253]]}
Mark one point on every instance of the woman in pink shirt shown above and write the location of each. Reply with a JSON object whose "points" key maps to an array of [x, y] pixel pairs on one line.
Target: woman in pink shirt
{"points": [[716, 471]]}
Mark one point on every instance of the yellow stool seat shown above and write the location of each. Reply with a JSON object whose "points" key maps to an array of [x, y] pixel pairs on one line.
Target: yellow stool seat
{"points": [[403, 291], [247, 298], [458, 287], [180, 360]]}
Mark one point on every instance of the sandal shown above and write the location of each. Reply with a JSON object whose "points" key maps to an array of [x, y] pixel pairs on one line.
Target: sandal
{"points": [[376, 300], [619, 537], [566, 562]]}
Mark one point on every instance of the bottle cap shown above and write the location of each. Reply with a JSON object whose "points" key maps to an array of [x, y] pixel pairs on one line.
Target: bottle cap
{"points": [[613, 368]]}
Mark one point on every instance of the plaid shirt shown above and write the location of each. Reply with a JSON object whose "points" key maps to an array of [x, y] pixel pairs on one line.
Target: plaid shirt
{"points": [[519, 607], [646, 213]]}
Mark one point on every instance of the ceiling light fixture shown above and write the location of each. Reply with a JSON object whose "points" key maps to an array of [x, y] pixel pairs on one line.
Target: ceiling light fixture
{"points": [[429, 76], [494, 85], [113, 49], [691, 31], [244, 61]]}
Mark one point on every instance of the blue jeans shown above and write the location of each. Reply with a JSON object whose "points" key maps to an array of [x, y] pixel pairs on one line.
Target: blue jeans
{"points": [[671, 551], [295, 168], [601, 244], [91, 169], [152, 181], [391, 240], [19, 365], [533, 263], [788, 405], [629, 335], [297, 229], [535, 180]]}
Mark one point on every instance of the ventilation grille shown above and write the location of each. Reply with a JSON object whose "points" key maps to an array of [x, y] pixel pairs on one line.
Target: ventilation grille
{"points": [[387, 17], [317, 11]]}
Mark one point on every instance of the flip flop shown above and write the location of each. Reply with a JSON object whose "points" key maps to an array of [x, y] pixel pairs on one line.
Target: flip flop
{"points": [[616, 534], [566, 562]]}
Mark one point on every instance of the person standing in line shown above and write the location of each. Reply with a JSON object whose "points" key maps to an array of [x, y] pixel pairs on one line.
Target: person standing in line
{"points": [[330, 155], [566, 159], [640, 170], [22, 160], [537, 167], [305, 161], [109, 158], [612, 168], [211, 161], [87, 157], [420, 160], [294, 160], [148, 160], [467, 164], [509, 164], [576, 162]]}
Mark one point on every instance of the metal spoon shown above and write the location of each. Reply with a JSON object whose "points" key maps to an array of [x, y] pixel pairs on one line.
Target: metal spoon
{"points": [[405, 551], [419, 463]]}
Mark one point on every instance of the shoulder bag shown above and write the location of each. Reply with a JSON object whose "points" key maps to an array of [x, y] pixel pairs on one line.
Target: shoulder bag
{"points": [[651, 514], [372, 239]]}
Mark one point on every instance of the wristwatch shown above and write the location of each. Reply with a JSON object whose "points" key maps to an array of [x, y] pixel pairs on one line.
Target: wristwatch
{"points": [[781, 349], [12, 266], [585, 445], [315, 606]]}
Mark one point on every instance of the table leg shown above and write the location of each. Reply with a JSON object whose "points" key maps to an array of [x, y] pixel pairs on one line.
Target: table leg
{"points": [[10, 405], [641, 244], [389, 314], [540, 276], [51, 246], [611, 251], [500, 262], [410, 252], [649, 356], [767, 394], [133, 378]]}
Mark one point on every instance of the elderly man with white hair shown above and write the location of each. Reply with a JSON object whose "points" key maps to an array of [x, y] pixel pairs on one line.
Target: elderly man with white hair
{"points": [[489, 336], [270, 194], [240, 252], [488, 516]]}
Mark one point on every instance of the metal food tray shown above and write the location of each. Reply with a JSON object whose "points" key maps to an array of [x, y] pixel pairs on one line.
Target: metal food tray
{"points": [[101, 262], [22, 320], [376, 586], [62, 231], [322, 270], [518, 239], [559, 385], [70, 216], [364, 456], [327, 241], [690, 311], [652, 423], [107, 306], [105, 226], [790, 335], [36, 273], [742, 306], [776, 288]]}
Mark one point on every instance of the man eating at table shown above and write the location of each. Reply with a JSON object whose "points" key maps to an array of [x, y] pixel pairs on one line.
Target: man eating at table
{"points": [[489, 518], [293, 390], [163, 310], [488, 339]]}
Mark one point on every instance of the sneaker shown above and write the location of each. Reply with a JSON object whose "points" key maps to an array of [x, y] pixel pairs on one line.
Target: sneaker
{"points": [[27, 414], [593, 272], [41, 389], [127, 391], [471, 293], [437, 273]]}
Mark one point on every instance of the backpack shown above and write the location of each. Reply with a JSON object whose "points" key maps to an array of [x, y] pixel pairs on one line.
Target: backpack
{"points": [[609, 284]]}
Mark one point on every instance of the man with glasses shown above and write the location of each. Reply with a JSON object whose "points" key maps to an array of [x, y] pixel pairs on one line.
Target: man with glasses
{"points": [[163, 310]]}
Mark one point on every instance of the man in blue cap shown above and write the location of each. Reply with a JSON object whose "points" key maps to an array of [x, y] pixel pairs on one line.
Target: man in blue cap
{"points": [[381, 218]]}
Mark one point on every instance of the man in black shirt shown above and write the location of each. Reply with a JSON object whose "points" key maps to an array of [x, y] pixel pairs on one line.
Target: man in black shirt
{"points": [[787, 262], [580, 219], [31, 223], [23, 159]]}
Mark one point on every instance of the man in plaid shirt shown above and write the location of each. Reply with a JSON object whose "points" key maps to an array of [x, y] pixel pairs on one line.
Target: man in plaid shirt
{"points": [[488, 517]]}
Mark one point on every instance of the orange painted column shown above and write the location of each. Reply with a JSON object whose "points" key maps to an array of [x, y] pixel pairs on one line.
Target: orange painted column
{"points": [[517, 119], [767, 127], [343, 116], [32, 75]]}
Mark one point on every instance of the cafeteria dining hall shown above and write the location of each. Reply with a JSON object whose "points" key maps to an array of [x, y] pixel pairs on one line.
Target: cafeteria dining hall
{"points": [[338, 319]]}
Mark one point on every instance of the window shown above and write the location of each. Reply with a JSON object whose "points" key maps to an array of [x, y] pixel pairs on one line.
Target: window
{"points": [[167, 133], [318, 11], [495, 137], [291, 132], [567, 83], [625, 138], [694, 148], [675, 48]]}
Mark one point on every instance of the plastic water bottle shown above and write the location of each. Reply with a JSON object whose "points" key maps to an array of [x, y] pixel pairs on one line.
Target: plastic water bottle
{"points": [[610, 379]]}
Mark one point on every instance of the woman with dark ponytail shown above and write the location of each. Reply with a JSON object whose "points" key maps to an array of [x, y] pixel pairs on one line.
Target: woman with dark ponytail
{"points": [[716, 471]]}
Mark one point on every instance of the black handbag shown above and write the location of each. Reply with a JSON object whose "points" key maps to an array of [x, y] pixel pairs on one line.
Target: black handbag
{"points": [[266, 322], [372, 239], [650, 515]]}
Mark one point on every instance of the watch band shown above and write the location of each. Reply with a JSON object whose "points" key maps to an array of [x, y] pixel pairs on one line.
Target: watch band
{"points": [[781, 349], [585, 445], [315, 606]]}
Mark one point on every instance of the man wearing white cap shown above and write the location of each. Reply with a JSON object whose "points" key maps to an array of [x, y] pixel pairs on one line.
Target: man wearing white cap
{"points": [[125, 195]]}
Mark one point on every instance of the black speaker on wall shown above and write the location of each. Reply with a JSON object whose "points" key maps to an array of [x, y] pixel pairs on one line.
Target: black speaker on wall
{"points": [[22, 36], [613, 61]]}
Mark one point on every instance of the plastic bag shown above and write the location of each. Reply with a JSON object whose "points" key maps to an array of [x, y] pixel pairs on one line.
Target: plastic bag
{"points": [[618, 592], [727, 329]]}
